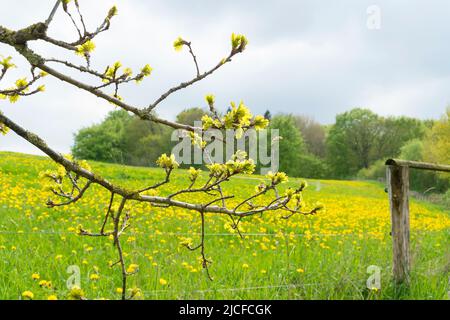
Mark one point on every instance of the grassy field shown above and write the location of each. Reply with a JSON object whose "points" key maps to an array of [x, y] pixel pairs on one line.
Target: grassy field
{"points": [[319, 257]]}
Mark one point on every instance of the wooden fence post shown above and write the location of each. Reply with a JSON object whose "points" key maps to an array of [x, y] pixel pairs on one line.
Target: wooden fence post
{"points": [[397, 174], [398, 187]]}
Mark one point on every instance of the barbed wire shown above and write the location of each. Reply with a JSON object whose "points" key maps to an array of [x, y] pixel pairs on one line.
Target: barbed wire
{"points": [[196, 234], [183, 234], [286, 286]]}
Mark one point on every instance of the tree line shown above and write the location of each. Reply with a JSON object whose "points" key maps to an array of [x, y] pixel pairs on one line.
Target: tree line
{"points": [[355, 146]]}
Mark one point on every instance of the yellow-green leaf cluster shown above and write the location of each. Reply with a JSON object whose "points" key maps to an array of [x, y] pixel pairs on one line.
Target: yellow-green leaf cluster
{"points": [[13, 98], [239, 118], [86, 48], [260, 122], [277, 178], [197, 140], [217, 170], [208, 122], [210, 99], [21, 83], [167, 162], [54, 179], [111, 71], [112, 12], [238, 164], [238, 42], [3, 128], [6, 63], [146, 71], [21, 86], [178, 44], [194, 173]]}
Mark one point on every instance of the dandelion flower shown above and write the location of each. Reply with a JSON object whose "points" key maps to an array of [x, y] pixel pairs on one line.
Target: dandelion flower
{"points": [[133, 268], [94, 277], [28, 295], [76, 293], [45, 284]]}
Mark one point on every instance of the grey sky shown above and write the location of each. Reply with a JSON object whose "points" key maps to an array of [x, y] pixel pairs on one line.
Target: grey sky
{"points": [[307, 57]]}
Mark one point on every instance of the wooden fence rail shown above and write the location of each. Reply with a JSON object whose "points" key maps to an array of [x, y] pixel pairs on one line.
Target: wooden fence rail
{"points": [[397, 174]]}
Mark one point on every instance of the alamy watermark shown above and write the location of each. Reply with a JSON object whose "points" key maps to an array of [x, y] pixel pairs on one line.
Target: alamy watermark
{"points": [[74, 279], [219, 146], [374, 281], [373, 17]]}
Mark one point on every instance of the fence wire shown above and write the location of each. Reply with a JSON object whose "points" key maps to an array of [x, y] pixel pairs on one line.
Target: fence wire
{"points": [[285, 286], [180, 234]]}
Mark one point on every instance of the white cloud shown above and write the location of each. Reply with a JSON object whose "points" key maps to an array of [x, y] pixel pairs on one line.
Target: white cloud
{"points": [[405, 99], [313, 57]]}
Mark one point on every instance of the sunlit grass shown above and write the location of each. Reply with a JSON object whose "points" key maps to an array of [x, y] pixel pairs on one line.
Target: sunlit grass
{"points": [[320, 257]]}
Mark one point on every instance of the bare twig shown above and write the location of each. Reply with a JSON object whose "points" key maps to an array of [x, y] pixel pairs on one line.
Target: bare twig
{"points": [[51, 204], [102, 230], [194, 58], [52, 14], [184, 85]]}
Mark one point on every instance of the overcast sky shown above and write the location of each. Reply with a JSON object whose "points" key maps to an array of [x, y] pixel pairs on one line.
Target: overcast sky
{"points": [[317, 58]]}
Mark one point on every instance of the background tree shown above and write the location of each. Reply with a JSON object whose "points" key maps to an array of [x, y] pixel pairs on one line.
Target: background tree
{"points": [[360, 137], [267, 115], [313, 134], [104, 141], [437, 142], [350, 142], [429, 142], [144, 141], [189, 116], [421, 181], [291, 144], [395, 132], [295, 159], [126, 139]]}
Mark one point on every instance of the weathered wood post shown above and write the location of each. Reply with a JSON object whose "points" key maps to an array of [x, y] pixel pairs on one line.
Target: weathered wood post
{"points": [[397, 174], [398, 187]]}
